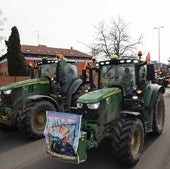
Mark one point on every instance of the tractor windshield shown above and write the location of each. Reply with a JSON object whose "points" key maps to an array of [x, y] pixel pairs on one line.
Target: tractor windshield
{"points": [[122, 75], [48, 70]]}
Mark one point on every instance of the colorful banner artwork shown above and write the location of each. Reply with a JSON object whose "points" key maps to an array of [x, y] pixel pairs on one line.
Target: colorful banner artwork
{"points": [[62, 133]]}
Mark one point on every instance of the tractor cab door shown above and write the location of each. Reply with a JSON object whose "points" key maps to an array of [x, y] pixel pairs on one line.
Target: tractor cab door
{"points": [[68, 72]]}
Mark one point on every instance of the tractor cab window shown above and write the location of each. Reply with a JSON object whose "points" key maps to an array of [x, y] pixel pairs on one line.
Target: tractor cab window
{"points": [[122, 75], [48, 70], [68, 71]]}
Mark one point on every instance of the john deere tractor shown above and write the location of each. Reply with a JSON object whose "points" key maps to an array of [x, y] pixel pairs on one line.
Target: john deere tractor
{"points": [[24, 104], [127, 105]]}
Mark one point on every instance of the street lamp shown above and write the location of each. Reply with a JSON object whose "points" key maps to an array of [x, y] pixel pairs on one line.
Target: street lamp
{"points": [[158, 28]]}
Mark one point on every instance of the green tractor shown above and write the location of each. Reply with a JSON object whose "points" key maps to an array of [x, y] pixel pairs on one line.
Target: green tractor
{"points": [[127, 105], [24, 104]]}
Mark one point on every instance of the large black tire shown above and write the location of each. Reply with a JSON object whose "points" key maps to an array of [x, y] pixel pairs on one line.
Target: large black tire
{"points": [[34, 118], [84, 88], [128, 140], [158, 115]]}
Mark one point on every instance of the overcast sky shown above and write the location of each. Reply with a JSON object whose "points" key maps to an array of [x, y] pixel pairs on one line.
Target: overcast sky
{"points": [[70, 23]]}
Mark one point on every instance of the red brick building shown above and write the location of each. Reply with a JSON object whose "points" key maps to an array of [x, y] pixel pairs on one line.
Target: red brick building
{"points": [[33, 53]]}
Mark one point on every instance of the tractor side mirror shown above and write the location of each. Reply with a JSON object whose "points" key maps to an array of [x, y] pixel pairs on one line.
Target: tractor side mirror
{"points": [[150, 72]]}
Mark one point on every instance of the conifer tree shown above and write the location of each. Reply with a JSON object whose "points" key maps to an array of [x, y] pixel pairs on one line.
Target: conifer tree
{"points": [[16, 61]]}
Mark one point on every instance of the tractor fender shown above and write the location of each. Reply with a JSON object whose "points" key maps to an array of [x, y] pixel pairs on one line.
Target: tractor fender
{"points": [[133, 114], [151, 93], [150, 98], [130, 113], [56, 103], [75, 86], [158, 89]]}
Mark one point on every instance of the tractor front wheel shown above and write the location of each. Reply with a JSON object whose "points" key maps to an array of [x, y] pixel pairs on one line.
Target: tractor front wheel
{"points": [[34, 120], [128, 140]]}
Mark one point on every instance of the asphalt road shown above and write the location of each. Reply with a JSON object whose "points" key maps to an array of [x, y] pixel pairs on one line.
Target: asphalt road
{"points": [[18, 152]]}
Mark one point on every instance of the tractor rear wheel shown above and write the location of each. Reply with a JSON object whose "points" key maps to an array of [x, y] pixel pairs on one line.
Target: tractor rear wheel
{"points": [[158, 115], [34, 120], [128, 140]]}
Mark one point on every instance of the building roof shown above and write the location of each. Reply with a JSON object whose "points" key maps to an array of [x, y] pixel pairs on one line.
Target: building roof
{"points": [[44, 50]]}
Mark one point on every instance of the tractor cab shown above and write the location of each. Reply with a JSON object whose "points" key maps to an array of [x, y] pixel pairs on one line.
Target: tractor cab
{"points": [[61, 73], [123, 73], [117, 74], [130, 75]]}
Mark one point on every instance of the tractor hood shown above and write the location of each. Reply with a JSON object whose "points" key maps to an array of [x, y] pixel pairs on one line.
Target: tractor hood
{"points": [[98, 95], [24, 83]]}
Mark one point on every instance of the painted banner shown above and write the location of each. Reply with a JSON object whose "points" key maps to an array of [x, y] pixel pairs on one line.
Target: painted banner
{"points": [[62, 133]]}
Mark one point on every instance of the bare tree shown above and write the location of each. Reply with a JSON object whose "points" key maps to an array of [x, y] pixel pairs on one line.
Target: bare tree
{"points": [[115, 39]]}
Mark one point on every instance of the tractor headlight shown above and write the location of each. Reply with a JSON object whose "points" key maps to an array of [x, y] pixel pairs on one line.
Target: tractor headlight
{"points": [[139, 91], [7, 91], [134, 97], [93, 105], [79, 105]]}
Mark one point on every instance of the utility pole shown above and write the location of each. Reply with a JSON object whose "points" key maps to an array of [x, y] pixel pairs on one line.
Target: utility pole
{"points": [[38, 38], [158, 28]]}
